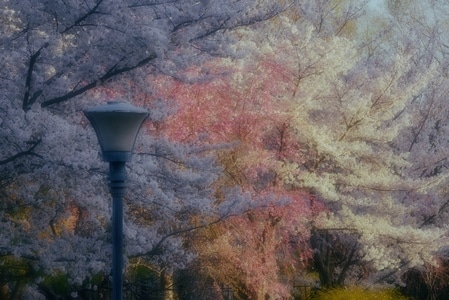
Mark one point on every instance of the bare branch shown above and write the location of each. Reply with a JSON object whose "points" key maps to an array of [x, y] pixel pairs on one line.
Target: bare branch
{"points": [[81, 19], [27, 100], [112, 72], [28, 152], [430, 219], [423, 122]]}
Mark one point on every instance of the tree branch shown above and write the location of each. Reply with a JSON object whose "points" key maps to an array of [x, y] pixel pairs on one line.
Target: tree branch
{"points": [[29, 151], [27, 101], [423, 122], [84, 17], [158, 247], [112, 72], [430, 219]]}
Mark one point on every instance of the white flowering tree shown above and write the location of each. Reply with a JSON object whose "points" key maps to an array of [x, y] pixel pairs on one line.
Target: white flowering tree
{"points": [[352, 108], [352, 104], [422, 27], [60, 57]]}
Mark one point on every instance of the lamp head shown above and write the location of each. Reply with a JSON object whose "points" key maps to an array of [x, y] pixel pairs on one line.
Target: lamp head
{"points": [[116, 125]]}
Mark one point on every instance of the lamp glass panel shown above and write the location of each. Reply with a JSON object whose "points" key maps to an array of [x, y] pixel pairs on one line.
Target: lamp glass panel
{"points": [[117, 131]]}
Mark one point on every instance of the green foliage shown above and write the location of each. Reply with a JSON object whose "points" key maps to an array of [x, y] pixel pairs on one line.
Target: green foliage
{"points": [[13, 270], [58, 284], [144, 281], [142, 272], [358, 293]]}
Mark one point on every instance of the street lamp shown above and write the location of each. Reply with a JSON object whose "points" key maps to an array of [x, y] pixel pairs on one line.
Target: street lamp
{"points": [[117, 125]]}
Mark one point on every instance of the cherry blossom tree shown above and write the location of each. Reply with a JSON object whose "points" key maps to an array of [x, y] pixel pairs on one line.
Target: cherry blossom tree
{"points": [[60, 57], [350, 108], [421, 30], [242, 109], [268, 245], [367, 120], [321, 129], [351, 112]]}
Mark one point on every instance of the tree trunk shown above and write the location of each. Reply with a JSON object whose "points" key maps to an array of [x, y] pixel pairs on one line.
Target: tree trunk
{"points": [[167, 283], [17, 292], [4, 291]]}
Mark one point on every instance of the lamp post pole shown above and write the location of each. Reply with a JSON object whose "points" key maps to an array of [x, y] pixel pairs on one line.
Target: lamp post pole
{"points": [[117, 125], [117, 185]]}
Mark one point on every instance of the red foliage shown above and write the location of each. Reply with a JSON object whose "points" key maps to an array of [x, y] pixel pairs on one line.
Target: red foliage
{"points": [[242, 108]]}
